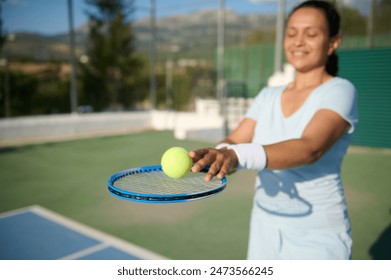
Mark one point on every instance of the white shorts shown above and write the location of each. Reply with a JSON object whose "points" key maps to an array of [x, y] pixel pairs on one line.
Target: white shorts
{"points": [[269, 241]]}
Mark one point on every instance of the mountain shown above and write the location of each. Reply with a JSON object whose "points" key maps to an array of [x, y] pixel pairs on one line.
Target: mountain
{"points": [[192, 34], [42, 47], [198, 30]]}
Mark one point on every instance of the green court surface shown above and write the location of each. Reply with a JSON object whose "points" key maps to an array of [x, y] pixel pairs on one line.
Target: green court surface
{"points": [[70, 178]]}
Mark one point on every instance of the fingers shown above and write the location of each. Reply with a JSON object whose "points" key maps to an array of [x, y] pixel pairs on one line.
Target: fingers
{"points": [[224, 170], [221, 162], [198, 154], [214, 168], [202, 158]]}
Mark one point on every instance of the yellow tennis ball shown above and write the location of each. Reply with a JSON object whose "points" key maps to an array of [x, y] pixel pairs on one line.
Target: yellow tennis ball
{"points": [[176, 163]]}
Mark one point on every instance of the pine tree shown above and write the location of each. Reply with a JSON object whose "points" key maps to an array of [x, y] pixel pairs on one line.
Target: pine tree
{"points": [[110, 74]]}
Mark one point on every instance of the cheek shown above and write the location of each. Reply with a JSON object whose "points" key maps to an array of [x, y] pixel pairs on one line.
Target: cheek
{"points": [[324, 45], [327, 50], [286, 44], [322, 48]]}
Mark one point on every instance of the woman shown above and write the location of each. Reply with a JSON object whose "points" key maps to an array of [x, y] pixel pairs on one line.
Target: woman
{"points": [[296, 137]]}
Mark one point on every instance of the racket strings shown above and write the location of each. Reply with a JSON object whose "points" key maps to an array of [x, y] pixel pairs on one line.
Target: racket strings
{"points": [[158, 183]]}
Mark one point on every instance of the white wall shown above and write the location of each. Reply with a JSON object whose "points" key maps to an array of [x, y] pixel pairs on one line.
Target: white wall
{"points": [[185, 125], [203, 124], [58, 127]]}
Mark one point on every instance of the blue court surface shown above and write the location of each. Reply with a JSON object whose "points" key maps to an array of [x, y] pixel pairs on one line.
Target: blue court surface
{"points": [[35, 233]]}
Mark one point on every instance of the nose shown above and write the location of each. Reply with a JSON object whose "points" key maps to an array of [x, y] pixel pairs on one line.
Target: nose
{"points": [[299, 40]]}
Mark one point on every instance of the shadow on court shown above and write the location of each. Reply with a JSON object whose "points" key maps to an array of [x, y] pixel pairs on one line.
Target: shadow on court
{"points": [[381, 249]]}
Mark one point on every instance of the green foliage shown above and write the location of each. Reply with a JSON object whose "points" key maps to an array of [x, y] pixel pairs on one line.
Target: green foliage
{"points": [[182, 92], [352, 22], [381, 17], [259, 37], [35, 94], [187, 83], [111, 74]]}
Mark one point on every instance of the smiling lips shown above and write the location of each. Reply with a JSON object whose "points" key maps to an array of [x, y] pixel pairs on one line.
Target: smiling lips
{"points": [[299, 53]]}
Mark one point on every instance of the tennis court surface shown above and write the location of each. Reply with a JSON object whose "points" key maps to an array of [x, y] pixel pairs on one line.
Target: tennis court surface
{"points": [[36, 233]]}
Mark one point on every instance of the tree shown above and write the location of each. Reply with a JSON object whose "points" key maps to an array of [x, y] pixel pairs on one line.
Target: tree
{"points": [[110, 75], [38, 93], [382, 14], [352, 21], [260, 37]]}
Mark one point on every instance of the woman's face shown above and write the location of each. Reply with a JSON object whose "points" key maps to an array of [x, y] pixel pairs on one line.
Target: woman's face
{"points": [[307, 43]]}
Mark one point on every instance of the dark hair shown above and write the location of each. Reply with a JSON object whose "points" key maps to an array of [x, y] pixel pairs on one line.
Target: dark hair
{"points": [[333, 20]]}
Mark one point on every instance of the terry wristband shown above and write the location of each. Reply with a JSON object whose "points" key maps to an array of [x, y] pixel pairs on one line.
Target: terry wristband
{"points": [[250, 156], [222, 145]]}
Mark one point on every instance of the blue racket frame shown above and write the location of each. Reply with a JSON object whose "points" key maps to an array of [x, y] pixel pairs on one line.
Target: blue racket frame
{"points": [[158, 198]]}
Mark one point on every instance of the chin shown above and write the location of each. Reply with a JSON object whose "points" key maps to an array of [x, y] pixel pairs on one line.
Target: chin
{"points": [[301, 67]]}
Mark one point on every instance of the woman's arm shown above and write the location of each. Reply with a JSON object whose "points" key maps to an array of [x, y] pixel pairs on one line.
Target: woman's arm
{"points": [[324, 129], [243, 133]]}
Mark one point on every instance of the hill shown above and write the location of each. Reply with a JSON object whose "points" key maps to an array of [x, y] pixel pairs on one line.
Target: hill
{"points": [[193, 34]]}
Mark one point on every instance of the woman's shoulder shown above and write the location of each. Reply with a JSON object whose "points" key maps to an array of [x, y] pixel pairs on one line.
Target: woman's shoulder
{"points": [[342, 83], [338, 90]]}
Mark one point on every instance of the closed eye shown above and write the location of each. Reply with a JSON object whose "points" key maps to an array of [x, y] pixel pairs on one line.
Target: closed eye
{"points": [[312, 35], [290, 34]]}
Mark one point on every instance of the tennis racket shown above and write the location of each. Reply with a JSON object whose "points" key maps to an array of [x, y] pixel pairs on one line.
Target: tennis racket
{"points": [[149, 184]]}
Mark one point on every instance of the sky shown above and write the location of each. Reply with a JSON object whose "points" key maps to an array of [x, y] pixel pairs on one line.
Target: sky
{"points": [[50, 17]]}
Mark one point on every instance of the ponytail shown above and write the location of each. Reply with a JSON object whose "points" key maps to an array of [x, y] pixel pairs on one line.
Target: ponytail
{"points": [[332, 65]]}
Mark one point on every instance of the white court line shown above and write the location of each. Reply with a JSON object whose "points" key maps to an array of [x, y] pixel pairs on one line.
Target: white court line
{"points": [[86, 252], [106, 239], [15, 212]]}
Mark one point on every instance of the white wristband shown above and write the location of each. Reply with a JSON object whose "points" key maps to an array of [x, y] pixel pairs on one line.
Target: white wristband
{"points": [[222, 145], [250, 156]]}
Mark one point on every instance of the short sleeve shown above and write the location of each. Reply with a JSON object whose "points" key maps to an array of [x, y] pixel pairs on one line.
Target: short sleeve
{"points": [[253, 111], [341, 97], [264, 98]]}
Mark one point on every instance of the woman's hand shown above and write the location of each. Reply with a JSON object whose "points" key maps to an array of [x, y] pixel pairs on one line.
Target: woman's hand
{"points": [[222, 162]]}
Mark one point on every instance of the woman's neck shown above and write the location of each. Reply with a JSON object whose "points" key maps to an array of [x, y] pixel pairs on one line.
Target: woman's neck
{"points": [[310, 79]]}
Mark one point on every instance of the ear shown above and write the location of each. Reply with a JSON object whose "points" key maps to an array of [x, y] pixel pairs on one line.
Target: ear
{"points": [[334, 44]]}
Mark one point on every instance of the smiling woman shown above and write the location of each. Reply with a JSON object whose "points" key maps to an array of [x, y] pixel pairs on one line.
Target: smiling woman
{"points": [[296, 136]]}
